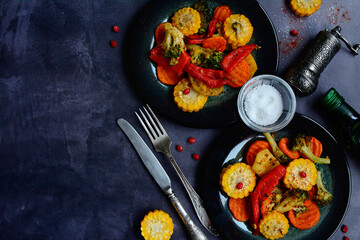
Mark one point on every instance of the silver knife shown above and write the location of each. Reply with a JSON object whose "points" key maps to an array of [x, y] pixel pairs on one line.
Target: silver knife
{"points": [[160, 176]]}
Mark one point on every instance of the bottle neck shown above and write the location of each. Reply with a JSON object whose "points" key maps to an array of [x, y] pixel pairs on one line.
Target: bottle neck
{"points": [[345, 115], [336, 106]]}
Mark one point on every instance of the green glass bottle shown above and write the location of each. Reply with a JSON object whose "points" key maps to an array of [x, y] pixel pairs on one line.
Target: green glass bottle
{"points": [[346, 117]]}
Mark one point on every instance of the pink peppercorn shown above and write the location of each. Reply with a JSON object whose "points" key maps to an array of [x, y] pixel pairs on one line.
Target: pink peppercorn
{"points": [[196, 156], [240, 185], [179, 148], [344, 228], [186, 91], [113, 44], [303, 174], [294, 32], [115, 28]]}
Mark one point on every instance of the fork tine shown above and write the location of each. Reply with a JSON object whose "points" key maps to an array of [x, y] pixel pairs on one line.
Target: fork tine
{"points": [[153, 123], [156, 119], [152, 137], [154, 132]]}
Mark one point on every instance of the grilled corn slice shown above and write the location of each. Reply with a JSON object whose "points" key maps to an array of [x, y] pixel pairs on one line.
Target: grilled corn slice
{"points": [[237, 180], [186, 98], [187, 20], [274, 225], [237, 30], [304, 8], [157, 225], [203, 89], [300, 173]]}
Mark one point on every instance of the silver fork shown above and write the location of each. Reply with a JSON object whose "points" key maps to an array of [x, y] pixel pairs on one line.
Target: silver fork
{"points": [[162, 143]]}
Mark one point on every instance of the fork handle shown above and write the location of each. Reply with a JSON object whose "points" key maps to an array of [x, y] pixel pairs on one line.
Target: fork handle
{"points": [[194, 231], [194, 197]]}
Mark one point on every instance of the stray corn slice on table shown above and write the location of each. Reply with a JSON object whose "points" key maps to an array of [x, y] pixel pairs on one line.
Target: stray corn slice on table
{"points": [[304, 8], [157, 225]]}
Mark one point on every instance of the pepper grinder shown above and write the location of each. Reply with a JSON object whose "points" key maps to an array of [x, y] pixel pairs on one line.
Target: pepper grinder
{"points": [[304, 75]]}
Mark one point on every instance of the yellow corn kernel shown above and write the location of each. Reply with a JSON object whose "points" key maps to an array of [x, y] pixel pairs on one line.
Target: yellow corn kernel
{"points": [[190, 102], [304, 8], [300, 173], [233, 175], [157, 225], [203, 89], [237, 30], [187, 20], [274, 225]]}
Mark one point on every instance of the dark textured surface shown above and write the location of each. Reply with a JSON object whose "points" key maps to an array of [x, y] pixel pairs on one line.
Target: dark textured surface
{"points": [[66, 170]]}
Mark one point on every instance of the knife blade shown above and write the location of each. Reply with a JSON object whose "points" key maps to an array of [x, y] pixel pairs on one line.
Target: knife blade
{"points": [[148, 158], [162, 179]]}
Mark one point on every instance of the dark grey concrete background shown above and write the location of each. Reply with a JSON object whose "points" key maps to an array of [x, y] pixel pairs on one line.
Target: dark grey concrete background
{"points": [[66, 170]]}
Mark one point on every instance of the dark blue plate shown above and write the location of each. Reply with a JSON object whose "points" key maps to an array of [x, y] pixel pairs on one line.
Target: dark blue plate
{"points": [[232, 147], [220, 110]]}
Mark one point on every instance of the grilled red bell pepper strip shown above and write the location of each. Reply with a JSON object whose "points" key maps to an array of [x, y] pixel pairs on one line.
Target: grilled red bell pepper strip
{"points": [[156, 54], [268, 182], [231, 60], [265, 186], [212, 78], [255, 211], [211, 27]]}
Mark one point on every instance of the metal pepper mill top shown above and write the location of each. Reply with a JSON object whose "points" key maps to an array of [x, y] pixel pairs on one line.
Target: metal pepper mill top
{"points": [[303, 76]]}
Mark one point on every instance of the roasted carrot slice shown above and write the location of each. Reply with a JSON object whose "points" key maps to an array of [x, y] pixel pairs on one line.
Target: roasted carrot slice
{"points": [[160, 33], [166, 75], [239, 76], [284, 145], [254, 148], [239, 208], [216, 43], [306, 219], [221, 13], [316, 147]]}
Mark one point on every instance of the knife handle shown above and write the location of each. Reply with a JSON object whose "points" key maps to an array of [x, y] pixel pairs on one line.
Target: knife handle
{"points": [[194, 231]]}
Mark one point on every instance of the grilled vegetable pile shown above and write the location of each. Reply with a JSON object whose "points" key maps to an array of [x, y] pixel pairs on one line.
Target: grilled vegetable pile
{"points": [[199, 52], [280, 185]]}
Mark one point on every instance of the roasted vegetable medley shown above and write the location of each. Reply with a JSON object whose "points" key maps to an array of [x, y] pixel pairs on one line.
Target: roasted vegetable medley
{"points": [[200, 51], [279, 186]]}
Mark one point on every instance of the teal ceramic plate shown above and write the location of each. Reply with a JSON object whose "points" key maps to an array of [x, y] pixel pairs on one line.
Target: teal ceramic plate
{"points": [[219, 110], [232, 147]]}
